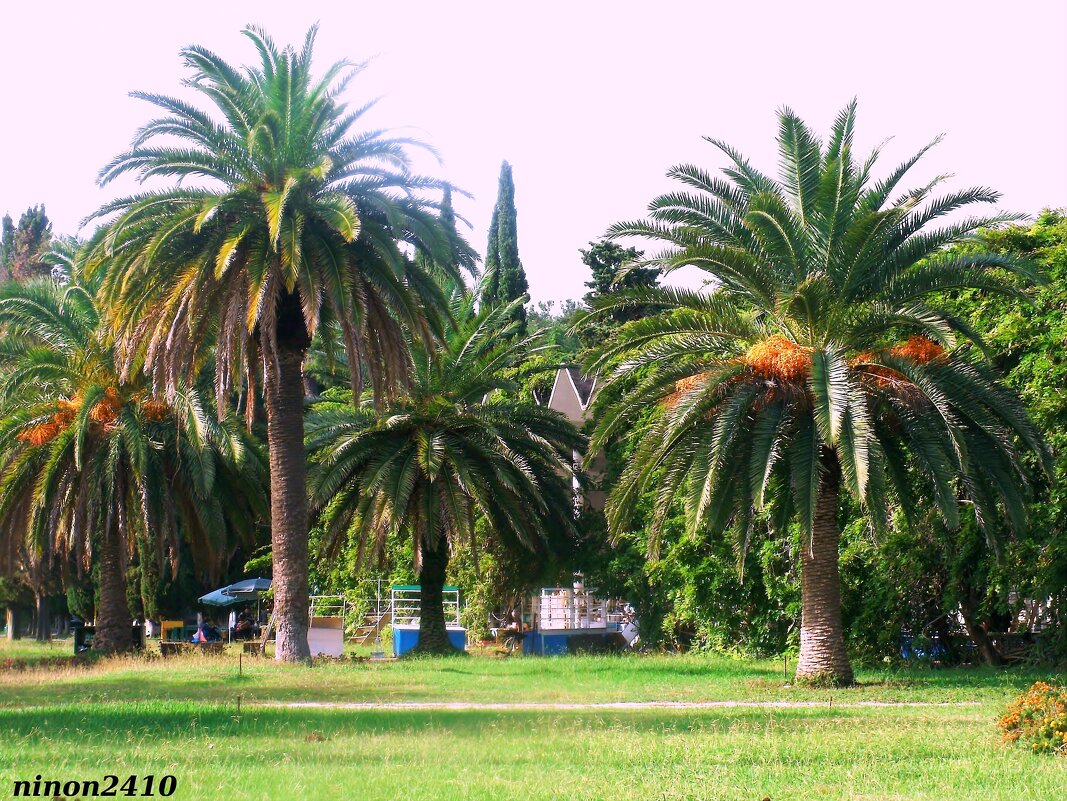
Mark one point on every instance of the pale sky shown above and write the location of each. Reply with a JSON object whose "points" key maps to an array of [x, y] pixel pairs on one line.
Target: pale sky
{"points": [[591, 102]]}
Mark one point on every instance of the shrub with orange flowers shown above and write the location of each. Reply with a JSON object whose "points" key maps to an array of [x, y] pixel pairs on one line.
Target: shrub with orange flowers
{"points": [[1038, 718], [918, 349], [777, 357]]}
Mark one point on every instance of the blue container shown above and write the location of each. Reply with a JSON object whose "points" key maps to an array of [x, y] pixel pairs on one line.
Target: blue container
{"points": [[544, 643], [406, 637], [556, 642]]}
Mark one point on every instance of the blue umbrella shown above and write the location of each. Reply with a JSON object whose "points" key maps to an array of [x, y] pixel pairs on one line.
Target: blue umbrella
{"points": [[219, 598], [252, 586]]}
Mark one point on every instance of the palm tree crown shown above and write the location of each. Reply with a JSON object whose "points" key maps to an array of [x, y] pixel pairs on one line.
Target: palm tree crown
{"points": [[91, 465], [821, 360], [297, 220], [456, 445]]}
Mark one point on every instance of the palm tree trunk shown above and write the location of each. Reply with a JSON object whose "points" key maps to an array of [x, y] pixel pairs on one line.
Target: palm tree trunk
{"points": [[113, 621], [823, 657], [43, 626], [284, 392], [433, 632], [12, 623]]}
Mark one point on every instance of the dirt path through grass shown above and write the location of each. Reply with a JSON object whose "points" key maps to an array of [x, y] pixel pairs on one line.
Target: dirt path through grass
{"points": [[460, 706]]}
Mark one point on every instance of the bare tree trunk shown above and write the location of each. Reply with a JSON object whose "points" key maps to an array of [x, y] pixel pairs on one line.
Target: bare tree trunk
{"points": [[433, 632], [113, 622], [284, 393], [822, 639]]}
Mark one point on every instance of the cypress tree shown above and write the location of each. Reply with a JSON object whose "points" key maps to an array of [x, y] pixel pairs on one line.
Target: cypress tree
{"points": [[491, 276], [23, 248], [461, 255], [505, 278], [448, 215], [7, 247]]}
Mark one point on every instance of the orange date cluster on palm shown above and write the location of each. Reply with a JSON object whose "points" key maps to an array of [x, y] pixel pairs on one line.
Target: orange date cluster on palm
{"points": [[106, 410], [918, 349], [154, 409], [778, 358], [684, 385], [104, 413]]}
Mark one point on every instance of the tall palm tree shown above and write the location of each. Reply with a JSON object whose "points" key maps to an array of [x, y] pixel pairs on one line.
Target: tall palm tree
{"points": [[91, 464], [289, 219], [456, 445], [821, 364]]}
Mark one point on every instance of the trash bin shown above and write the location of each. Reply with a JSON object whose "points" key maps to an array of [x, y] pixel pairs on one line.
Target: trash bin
{"points": [[83, 636]]}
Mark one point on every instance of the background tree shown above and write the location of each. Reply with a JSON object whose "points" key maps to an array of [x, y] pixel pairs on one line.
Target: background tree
{"points": [[822, 365], [23, 248], [90, 464], [299, 234], [614, 269], [459, 255], [504, 280], [1026, 341], [7, 239], [456, 446]]}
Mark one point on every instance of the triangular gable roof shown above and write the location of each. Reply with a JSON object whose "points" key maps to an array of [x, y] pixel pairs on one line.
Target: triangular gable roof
{"points": [[584, 386], [572, 393]]}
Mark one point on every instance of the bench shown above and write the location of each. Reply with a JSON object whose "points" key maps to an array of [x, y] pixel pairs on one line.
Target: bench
{"points": [[173, 648]]}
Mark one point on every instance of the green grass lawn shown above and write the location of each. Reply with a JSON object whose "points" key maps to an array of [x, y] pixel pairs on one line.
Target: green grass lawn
{"points": [[180, 717]]}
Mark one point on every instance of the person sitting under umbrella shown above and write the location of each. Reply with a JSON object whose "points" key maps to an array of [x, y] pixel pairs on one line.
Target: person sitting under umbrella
{"points": [[206, 633], [245, 627]]}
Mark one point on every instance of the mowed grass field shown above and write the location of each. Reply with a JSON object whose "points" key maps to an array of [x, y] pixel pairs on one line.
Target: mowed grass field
{"points": [[181, 717]]}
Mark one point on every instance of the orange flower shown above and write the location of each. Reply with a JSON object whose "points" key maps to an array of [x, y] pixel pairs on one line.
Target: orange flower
{"points": [[1039, 716], [777, 357]]}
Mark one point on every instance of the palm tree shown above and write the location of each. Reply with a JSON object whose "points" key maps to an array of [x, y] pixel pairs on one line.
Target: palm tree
{"points": [[91, 464], [821, 364], [294, 225], [456, 445]]}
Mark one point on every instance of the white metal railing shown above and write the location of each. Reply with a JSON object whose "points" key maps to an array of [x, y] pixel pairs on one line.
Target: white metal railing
{"points": [[405, 605], [570, 608], [327, 606], [379, 599], [620, 613]]}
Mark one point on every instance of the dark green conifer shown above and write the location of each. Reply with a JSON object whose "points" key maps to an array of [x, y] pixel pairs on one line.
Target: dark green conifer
{"points": [[505, 278], [23, 248]]}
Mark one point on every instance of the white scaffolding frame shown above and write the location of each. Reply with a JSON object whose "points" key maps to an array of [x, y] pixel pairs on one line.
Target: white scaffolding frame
{"points": [[405, 605]]}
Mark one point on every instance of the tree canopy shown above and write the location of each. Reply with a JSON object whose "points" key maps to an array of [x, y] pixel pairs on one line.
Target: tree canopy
{"points": [[822, 363]]}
